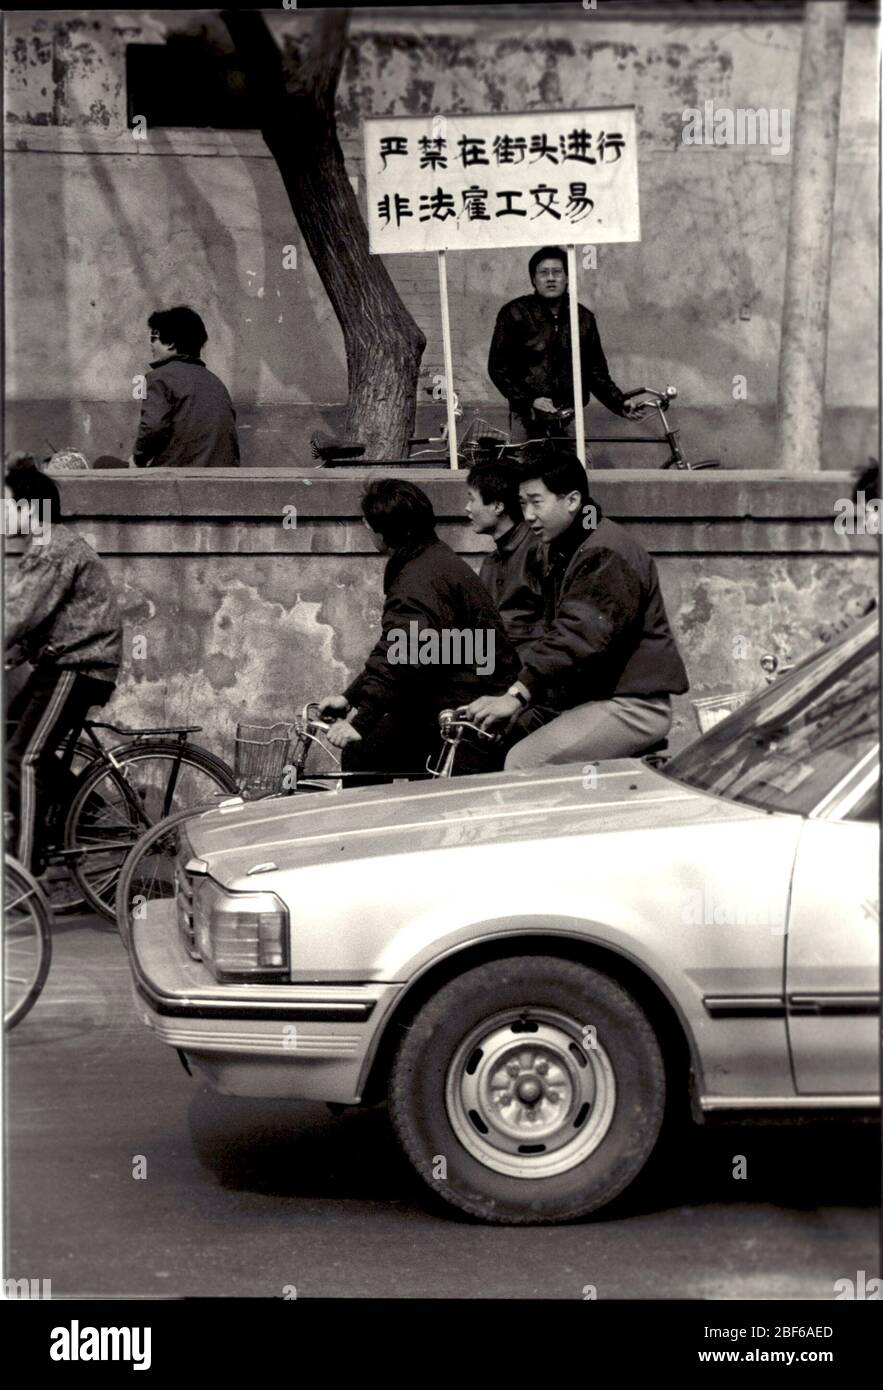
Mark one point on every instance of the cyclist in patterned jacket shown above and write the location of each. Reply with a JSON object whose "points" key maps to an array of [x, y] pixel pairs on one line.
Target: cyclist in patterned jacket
{"points": [[62, 616]]}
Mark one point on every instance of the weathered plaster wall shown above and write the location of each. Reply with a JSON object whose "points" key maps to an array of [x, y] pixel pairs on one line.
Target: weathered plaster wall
{"points": [[243, 616], [102, 228]]}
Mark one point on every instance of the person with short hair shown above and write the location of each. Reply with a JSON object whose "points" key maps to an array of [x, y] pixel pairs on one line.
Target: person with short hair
{"points": [[61, 616], [512, 572], [442, 643], [187, 418], [530, 359], [598, 683]]}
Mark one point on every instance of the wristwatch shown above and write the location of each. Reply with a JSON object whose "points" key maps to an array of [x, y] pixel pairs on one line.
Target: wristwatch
{"points": [[518, 691]]}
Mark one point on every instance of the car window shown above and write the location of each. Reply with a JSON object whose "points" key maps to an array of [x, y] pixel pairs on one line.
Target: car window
{"points": [[790, 746]]}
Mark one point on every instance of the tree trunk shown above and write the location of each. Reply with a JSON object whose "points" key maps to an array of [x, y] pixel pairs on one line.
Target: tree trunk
{"points": [[296, 111]]}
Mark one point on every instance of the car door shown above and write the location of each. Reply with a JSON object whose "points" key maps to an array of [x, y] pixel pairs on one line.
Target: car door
{"points": [[832, 979]]}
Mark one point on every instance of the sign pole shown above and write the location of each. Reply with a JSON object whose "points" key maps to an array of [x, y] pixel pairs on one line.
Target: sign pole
{"points": [[449, 364], [579, 416]]}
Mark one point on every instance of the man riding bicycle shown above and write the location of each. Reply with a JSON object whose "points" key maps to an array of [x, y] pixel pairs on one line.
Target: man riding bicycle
{"points": [[62, 616], [598, 683], [442, 643]]}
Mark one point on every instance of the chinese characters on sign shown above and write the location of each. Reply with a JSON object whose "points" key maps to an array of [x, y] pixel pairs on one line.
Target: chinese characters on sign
{"points": [[470, 182]]}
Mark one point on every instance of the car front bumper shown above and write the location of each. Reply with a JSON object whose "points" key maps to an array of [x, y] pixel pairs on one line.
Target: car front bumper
{"points": [[304, 1042]]}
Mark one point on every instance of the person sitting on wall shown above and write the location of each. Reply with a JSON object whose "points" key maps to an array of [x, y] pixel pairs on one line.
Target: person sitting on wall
{"points": [[61, 616], [187, 418], [530, 360], [512, 572], [442, 643], [598, 683]]}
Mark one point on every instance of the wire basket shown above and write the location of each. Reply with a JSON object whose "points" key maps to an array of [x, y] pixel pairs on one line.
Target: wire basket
{"points": [[261, 754], [712, 709], [480, 440]]}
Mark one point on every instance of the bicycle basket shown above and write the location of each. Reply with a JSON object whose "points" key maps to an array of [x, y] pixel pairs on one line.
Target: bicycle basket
{"points": [[711, 709], [480, 441], [262, 753]]}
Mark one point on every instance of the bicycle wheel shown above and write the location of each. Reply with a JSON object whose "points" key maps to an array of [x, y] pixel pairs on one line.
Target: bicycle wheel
{"points": [[148, 871], [27, 941], [115, 805]]}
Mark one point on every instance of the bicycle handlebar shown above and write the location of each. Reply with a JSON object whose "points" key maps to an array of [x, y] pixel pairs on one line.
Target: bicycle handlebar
{"points": [[668, 394], [450, 720]]}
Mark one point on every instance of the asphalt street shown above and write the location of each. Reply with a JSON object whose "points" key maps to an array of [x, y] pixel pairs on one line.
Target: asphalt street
{"points": [[250, 1198]]}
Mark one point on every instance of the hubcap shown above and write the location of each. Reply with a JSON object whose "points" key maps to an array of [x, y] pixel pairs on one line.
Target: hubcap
{"points": [[526, 1096]]}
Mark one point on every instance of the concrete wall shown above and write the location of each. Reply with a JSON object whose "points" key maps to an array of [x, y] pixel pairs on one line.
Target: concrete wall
{"points": [[242, 615], [101, 228]]}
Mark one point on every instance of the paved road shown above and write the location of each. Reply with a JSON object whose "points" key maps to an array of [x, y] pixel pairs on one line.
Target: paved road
{"points": [[246, 1197]]}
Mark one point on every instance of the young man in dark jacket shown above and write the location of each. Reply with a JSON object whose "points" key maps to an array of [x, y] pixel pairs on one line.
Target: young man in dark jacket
{"points": [[513, 571], [530, 360], [187, 419], [442, 644], [62, 616], [598, 683]]}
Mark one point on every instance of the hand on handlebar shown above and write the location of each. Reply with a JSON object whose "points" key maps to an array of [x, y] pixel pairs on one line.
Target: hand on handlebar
{"points": [[341, 733], [333, 704], [544, 405], [488, 710]]}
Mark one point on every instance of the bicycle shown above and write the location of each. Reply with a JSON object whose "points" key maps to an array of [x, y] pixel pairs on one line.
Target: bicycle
{"points": [[149, 872], [553, 425], [485, 441], [121, 791], [27, 941]]}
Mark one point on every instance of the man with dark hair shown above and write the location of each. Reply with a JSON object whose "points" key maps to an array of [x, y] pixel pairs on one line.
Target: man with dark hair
{"points": [[598, 683], [530, 360], [62, 616], [442, 643], [512, 571], [187, 419]]}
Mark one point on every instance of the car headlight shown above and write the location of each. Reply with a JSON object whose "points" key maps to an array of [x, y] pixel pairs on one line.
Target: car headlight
{"points": [[240, 935]]}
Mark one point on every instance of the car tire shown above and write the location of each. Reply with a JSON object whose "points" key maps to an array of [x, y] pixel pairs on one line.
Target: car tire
{"points": [[529, 1090]]}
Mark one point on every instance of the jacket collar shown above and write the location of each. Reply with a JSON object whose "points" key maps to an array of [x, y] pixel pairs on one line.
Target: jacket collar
{"points": [[545, 305], [564, 547], [511, 539], [178, 357], [399, 558]]}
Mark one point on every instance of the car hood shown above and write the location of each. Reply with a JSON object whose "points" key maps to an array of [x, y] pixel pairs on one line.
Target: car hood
{"points": [[335, 827]]}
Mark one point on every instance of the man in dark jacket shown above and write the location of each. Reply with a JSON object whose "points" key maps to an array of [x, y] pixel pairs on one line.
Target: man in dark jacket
{"points": [[530, 360], [187, 419], [442, 644], [62, 616], [598, 683], [513, 571]]}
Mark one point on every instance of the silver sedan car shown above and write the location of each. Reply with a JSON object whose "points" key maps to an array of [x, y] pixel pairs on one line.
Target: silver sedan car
{"points": [[535, 969]]}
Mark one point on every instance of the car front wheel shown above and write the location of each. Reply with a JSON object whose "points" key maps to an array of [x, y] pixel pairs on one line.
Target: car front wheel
{"points": [[529, 1090]]}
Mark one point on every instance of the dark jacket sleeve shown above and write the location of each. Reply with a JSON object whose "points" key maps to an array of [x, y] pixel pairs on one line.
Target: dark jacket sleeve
{"points": [[383, 684], [503, 359], [602, 599], [155, 428], [597, 380]]}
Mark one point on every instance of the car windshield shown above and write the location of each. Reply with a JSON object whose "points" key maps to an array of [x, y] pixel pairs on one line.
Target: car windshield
{"points": [[790, 745]]}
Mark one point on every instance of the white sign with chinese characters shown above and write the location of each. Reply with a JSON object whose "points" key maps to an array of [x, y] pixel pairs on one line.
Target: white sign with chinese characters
{"points": [[457, 183]]}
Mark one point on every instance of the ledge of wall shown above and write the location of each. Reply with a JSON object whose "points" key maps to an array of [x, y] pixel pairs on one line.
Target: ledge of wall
{"points": [[284, 511]]}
